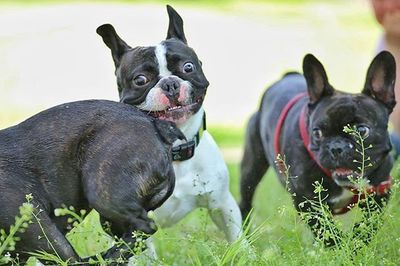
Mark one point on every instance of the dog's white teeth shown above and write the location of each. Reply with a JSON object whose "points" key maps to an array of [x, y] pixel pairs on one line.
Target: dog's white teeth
{"points": [[174, 108], [342, 172]]}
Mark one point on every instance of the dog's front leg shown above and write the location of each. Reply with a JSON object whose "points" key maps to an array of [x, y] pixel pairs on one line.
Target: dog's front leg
{"points": [[372, 210], [321, 223], [44, 235], [324, 229], [175, 207], [225, 213], [126, 246], [253, 166], [126, 217]]}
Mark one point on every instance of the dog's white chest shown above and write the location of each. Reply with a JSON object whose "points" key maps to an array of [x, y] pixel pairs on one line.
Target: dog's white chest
{"points": [[200, 176], [342, 200]]}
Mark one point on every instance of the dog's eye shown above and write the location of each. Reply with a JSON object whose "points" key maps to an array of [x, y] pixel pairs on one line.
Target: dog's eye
{"points": [[363, 130], [317, 133], [140, 80], [188, 67]]}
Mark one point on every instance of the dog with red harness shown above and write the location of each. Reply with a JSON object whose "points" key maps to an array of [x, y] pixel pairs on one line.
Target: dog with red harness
{"points": [[301, 122]]}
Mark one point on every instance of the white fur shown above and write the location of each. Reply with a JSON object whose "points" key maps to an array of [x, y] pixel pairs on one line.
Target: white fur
{"points": [[342, 200], [152, 101], [202, 181], [162, 60]]}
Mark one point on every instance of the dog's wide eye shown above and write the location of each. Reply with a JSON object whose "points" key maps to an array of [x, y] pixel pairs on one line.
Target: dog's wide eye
{"points": [[317, 133], [140, 80], [188, 67], [363, 130]]}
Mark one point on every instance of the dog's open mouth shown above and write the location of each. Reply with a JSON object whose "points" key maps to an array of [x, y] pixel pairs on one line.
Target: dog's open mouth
{"points": [[177, 112], [345, 177]]}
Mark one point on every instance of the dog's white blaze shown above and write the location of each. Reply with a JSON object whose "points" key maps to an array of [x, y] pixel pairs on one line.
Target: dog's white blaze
{"points": [[162, 60]]}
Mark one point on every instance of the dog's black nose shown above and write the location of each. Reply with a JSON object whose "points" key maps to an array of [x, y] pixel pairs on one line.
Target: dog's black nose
{"points": [[336, 148], [171, 87], [335, 152]]}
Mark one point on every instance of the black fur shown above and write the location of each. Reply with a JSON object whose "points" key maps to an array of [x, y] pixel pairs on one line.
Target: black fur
{"points": [[89, 154]]}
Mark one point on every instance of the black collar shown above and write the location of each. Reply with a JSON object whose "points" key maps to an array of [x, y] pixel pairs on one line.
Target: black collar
{"points": [[185, 151]]}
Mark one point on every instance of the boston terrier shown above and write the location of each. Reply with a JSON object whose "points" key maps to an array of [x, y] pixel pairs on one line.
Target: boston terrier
{"points": [[300, 124], [88, 154], [166, 81]]}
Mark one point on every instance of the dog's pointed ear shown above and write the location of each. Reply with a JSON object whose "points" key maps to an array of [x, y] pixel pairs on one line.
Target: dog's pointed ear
{"points": [[175, 27], [316, 78], [117, 46], [381, 77], [168, 131]]}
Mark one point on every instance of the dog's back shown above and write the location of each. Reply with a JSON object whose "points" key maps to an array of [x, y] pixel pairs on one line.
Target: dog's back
{"points": [[99, 154], [273, 102]]}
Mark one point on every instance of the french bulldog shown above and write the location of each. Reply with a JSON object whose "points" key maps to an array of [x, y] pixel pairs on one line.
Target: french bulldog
{"points": [[167, 82], [88, 154], [302, 118]]}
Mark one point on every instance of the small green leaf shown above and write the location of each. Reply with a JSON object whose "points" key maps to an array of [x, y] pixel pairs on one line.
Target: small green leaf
{"points": [[88, 238]]}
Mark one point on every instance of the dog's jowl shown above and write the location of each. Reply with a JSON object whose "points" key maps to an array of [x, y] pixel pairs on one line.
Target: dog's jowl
{"points": [[302, 118], [90, 154], [167, 82]]}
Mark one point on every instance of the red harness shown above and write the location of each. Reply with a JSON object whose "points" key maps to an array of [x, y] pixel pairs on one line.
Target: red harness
{"points": [[380, 189]]}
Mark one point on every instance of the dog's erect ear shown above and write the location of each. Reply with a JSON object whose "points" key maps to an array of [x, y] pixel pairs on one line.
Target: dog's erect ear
{"points": [[110, 37], [168, 131], [316, 78], [175, 28], [381, 77]]}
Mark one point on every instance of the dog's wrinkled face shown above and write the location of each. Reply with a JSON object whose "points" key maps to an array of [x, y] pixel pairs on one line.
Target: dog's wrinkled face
{"points": [[166, 81], [330, 111]]}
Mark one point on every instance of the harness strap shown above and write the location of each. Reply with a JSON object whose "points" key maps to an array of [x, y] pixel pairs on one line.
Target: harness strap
{"points": [[306, 140], [281, 120]]}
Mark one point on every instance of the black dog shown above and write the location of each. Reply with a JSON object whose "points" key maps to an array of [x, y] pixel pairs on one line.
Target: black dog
{"points": [[307, 129], [89, 154]]}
